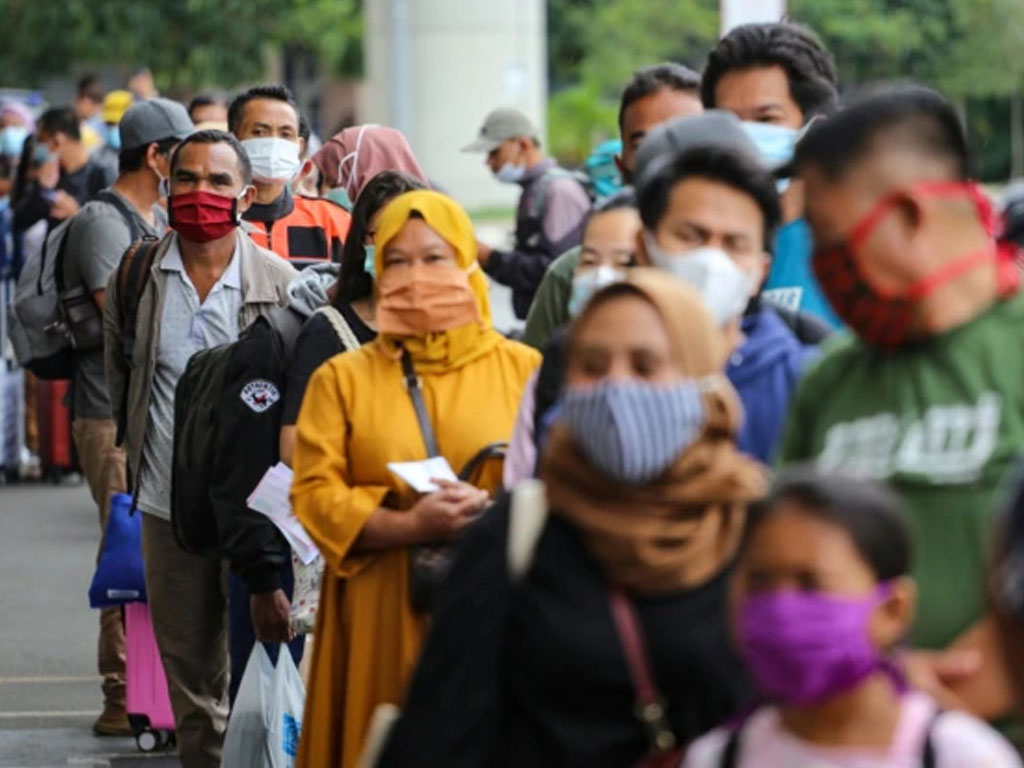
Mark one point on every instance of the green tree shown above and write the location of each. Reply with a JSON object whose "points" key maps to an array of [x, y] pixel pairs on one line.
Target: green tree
{"points": [[187, 43], [597, 44]]}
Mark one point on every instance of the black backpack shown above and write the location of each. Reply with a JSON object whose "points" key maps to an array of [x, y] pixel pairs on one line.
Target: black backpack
{"points": [[202, 448]]}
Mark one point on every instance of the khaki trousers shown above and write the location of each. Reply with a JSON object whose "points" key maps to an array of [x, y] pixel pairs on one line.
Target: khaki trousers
{"points": [[103, 466], [188, 605]]}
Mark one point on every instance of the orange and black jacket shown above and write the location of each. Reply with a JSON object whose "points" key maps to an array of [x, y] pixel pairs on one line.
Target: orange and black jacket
{"points": [[304, 229]]}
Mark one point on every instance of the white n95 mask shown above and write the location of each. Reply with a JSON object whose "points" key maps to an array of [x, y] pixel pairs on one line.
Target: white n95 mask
{"points": [[724, 287]]}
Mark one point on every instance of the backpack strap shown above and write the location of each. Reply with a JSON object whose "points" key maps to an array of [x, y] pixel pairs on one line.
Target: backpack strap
{"points": [[528, 513], [132, 275], [287, 322], [928, 757], [129, 216], [540, 198], [415, 390], [341, 327], [58, 261], [731, 752]]}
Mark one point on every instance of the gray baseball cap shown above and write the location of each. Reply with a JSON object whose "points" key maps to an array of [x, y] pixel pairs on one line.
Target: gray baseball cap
{"points": [[502, 124], [154, 120], [715, 128]]}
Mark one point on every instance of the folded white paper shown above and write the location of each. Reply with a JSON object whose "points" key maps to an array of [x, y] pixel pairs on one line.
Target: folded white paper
{"points": [[270, 497], [419, 474]]}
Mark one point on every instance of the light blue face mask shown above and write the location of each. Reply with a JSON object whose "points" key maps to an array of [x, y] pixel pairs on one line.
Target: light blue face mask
{"points": [[12, 140], [370, 260], [114, 137], [776, 143], [42, 154], [340, 196], [586, 284]]}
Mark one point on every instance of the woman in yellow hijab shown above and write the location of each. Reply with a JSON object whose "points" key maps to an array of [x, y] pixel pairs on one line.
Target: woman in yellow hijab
{"points": [[358, 415]]}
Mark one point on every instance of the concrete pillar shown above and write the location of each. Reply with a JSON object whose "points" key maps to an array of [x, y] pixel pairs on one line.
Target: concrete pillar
{"points": [[435, 68]]}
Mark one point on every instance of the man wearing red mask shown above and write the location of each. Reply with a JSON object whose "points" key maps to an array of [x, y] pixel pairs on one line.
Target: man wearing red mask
{"points": [[927, 394], [208, 282]]}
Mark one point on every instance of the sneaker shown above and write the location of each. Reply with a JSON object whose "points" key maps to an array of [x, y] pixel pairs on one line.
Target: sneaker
{"points": [[113, 722]]}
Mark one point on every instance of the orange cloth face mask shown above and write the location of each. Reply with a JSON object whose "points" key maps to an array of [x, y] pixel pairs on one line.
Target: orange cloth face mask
{"points": [[417, 300]]}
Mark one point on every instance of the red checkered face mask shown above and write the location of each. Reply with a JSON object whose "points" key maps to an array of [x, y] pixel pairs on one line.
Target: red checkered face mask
{"points": [[885, 318]]}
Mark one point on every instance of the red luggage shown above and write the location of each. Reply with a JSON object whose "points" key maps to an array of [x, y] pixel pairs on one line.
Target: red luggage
{"points": [[54, 419], [146, 696]]}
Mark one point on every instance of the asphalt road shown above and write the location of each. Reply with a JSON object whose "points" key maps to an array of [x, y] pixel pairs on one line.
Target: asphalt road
{"points": [[49, 689]]}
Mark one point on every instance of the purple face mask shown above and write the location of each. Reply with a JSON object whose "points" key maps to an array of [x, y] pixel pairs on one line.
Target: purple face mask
{"points": [[804, 647]]}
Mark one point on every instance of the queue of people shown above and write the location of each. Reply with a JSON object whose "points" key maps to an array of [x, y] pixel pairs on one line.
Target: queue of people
{"points": [[730, 504]]}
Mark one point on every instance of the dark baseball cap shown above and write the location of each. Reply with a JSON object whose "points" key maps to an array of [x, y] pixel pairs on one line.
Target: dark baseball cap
{"points": [[502, 124], [714, 128], [154, 120]]}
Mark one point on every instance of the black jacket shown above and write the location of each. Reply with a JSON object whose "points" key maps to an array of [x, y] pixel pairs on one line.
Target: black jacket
{"points": [[533, 673], [248, 438]]}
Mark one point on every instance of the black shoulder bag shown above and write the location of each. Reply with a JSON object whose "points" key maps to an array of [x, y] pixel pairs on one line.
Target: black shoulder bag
{"points": [[429, 563]]}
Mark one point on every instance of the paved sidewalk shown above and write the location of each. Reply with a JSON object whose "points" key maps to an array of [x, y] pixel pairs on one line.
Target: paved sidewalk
{"points": [[49, 689]]}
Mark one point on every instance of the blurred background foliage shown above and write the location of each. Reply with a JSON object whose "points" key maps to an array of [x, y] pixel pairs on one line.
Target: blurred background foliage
{"points": [[969, 49]]}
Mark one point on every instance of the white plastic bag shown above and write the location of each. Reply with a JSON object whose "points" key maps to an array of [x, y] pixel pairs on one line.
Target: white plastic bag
{"points": [[266, 721]]}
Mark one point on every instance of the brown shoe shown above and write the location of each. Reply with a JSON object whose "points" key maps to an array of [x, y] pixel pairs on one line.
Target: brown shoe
{"points": [[113, 722]]}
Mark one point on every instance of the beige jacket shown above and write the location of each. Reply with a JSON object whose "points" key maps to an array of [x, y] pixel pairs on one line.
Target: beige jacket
{"points": [[265, 278]]}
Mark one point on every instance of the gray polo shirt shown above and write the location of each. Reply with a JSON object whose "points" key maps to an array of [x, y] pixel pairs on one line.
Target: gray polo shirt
{"points": [[186, 327], [97, 238]]}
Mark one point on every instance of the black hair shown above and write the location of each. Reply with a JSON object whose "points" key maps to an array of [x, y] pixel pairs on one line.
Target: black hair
{"points": [[624, 198], [810, 68], [869, 513], [59, 120], [25, 164], [910, 115], [216, 137], [129, 160], [727, 166], [304, 130], [276, 92], [89, 87], [205, 100], [354, 282], [648, 80]]}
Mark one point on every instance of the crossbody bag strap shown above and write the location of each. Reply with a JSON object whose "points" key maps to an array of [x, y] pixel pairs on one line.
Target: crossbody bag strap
{"points": [[415, 389], [649, 707], [341, 327]]}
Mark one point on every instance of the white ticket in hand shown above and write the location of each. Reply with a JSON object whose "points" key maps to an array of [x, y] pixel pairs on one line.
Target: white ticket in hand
{"points": [[270, 497], [419, 474]]}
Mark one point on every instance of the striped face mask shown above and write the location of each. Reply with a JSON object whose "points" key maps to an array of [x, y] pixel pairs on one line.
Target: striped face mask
{"points": [[633, 430]]}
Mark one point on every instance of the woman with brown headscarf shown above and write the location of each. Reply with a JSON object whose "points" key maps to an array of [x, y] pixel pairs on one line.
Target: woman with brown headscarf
{"points": [[625, 595]]}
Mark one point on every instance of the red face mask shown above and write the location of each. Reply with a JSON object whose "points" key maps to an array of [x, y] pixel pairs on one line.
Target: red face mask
{"points": [[202, 216], [885, 318]]}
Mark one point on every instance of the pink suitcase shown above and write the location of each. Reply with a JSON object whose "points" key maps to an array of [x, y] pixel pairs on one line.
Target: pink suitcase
{"points": [[148, 703]]}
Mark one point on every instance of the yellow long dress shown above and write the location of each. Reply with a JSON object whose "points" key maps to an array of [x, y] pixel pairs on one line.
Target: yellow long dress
{"points": [[356, 417]]}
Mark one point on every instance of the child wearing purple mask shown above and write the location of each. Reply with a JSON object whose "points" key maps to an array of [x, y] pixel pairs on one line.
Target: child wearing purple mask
{"points": [[821, 599]]}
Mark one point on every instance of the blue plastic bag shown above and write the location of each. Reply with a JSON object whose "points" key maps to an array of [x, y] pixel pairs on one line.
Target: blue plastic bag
{"points": [[119, 577]]}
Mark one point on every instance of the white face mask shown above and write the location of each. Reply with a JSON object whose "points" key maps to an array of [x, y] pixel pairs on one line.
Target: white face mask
{"points": [[724, 287], [273, 159], [510, 173]]}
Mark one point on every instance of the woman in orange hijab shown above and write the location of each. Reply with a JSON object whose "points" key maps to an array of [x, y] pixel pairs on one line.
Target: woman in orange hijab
{"points": [[358, 415]]}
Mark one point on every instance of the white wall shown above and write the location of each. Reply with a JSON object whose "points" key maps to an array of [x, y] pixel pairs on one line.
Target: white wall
{"points": [[459, 60]]}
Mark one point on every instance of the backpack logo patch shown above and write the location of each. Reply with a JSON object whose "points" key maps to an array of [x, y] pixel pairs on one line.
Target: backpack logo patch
{"points": [[260, 394]]}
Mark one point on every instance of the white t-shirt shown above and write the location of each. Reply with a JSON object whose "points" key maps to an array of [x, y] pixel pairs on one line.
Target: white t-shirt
{"points": [[960, 741]]}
